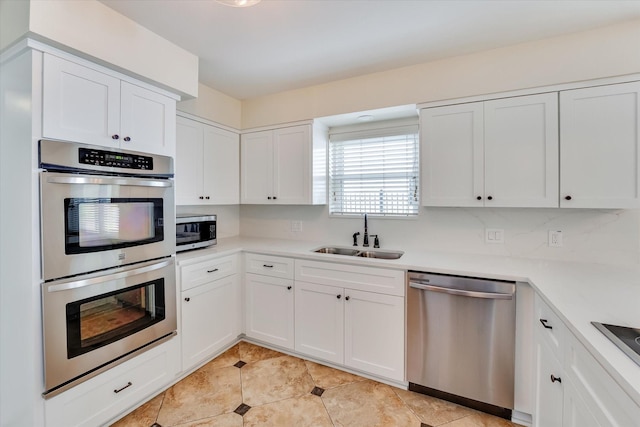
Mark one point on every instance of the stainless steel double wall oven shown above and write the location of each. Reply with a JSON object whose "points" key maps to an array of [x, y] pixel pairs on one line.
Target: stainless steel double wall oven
{"points": [[108, 240]]}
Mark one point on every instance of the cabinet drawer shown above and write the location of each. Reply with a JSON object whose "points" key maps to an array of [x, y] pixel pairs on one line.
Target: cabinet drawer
{"points": [[549, 327], [268, 265], [608, 402], [371, 279], [206, 271], [96, 401]]}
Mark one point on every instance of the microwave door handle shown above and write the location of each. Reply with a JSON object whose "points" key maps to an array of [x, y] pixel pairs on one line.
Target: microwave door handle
{"points": [[95, 280], [136, 182]]}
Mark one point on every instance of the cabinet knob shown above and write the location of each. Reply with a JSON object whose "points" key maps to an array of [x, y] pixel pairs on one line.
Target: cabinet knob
{"points": [[187, 299], [347, 297], [127, 139], [274, 197], [554, 379], [207, 197], [200, 197], [544, 323], [489, 197], [269, 197], [289, 288], [338, 296], [567, 197], [116, 136], [479, 197]]}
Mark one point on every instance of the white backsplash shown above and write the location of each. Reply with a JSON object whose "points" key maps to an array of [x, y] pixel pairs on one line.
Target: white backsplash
{"points": [[589, 235]]}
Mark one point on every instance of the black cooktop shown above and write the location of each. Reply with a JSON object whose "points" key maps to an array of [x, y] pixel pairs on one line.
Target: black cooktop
{"points": [[626, 338]]}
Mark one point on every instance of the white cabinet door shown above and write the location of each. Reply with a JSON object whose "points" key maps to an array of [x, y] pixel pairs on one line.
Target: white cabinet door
{"points": [[600, 147], [291, 165], [549, 392], [269, 309], [319, 316], [374, 333], [209, 319], [221, 169], [576, 412], [521, 151], [256, 182], [79, 104], [452, 155], [189, 162], [147, 121]]}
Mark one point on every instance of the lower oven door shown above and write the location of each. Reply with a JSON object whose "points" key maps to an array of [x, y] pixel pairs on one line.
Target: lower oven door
{"points": [[93, 322]]}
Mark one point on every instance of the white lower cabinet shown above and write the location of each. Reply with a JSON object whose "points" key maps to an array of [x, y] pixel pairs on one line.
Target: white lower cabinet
{"points": [[99, 400], [361, 330], [210, 308], [572, 388], [269, 299]]}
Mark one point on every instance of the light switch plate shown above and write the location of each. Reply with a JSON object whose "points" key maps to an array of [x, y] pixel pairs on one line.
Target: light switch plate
{"points": [[494, 235], [296, 226]]}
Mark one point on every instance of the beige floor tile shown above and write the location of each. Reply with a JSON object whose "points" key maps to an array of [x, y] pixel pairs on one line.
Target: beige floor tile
{"points": [[480, 420], [144, 416], [250, 353], [226, 359], [367, 403], [275, 379], [432, 411], [224, 420], [305, 411], [326, 377], [204, 394]]}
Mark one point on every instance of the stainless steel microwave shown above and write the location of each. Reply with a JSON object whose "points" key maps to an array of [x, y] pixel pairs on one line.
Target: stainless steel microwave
{"points": [[195, 231]]}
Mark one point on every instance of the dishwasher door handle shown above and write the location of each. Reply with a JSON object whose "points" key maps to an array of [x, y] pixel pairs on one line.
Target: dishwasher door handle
{"points": [[460, 292]]}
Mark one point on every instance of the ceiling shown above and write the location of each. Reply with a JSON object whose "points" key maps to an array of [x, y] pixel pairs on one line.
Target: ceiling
{"points": [[280, 45]]}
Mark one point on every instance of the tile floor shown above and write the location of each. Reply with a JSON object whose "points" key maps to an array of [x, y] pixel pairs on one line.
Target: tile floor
{"points": [[250, 386]]}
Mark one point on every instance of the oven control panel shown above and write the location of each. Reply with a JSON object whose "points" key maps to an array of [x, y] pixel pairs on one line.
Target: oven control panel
{"points": [[89, 156]]}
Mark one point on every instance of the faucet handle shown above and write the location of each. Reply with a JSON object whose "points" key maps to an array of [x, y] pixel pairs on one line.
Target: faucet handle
{"points": [[376, 242], [355, 238]]}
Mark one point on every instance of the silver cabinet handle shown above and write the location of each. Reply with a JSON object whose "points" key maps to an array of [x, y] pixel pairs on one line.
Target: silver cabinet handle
{"points": [[460, 292], [118, 390]]}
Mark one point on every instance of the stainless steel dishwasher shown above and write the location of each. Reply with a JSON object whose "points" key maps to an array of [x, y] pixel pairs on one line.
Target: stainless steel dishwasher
{"points": [[461, 340]]}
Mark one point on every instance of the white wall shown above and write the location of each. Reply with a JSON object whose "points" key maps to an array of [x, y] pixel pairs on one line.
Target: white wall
{"points": [[91, 29], [599, 236], [603, 52], [14, 21], [215, 106]]}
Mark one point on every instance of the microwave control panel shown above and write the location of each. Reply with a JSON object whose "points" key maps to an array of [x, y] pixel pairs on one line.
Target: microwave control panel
{"points": [[113, 159]]}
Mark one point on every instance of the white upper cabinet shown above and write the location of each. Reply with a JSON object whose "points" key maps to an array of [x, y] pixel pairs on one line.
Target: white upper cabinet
{"points": [[207, 164], [84, 105], [452, 155], [599, 150], [499, 153], [284, 166]]}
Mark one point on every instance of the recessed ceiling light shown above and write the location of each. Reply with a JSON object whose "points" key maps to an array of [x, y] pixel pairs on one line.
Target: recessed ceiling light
{"points": [[365, 118], [238, 3]]}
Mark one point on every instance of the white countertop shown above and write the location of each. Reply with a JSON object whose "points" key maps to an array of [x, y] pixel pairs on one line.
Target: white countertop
{"points": [[579, 292]]}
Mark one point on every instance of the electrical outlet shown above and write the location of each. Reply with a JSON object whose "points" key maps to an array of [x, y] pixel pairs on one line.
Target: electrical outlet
{"points": [[555, 238], [494, 235], [296, 226]]}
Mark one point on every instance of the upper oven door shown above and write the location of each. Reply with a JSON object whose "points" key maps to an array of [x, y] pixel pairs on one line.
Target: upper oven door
{"points": [[92, 222]]}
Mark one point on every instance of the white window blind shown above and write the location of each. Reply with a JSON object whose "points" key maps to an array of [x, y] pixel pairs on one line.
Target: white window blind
{"points": [[374, 172]]}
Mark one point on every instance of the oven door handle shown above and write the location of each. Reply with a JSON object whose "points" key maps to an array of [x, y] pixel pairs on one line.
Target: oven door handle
{"points": [[461, 292], [95, 280], [99, 180]]}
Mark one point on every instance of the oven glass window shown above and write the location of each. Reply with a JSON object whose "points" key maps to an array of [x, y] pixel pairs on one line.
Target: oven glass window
{"points": [[103, 319], [99, 224]]}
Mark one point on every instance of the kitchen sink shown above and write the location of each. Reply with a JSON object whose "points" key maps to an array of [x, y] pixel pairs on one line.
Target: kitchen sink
{"points": [[335, 250]]}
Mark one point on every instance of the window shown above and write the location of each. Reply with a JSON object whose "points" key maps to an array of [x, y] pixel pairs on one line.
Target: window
{"points": [[374, 172]]}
